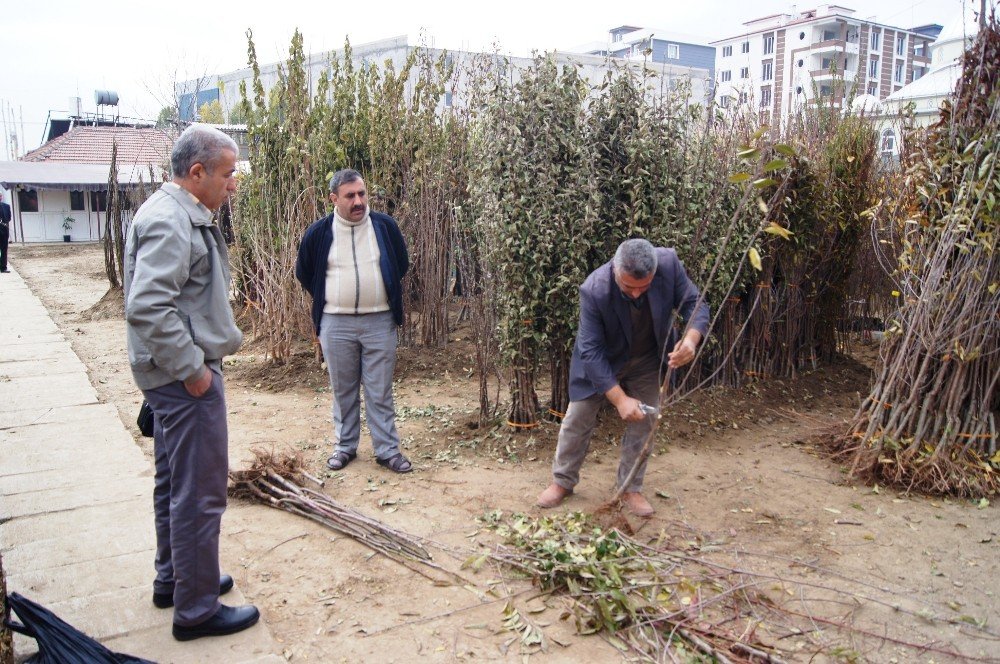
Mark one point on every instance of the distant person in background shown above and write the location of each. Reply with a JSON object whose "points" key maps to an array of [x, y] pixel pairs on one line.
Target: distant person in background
{"points": [[352, 262], [179, 327], [5, 218]]}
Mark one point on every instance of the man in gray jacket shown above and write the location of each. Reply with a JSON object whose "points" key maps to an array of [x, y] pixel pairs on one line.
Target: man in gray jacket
{"points": [[180, 326]]}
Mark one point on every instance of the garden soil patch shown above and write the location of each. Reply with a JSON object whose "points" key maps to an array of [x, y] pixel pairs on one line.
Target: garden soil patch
{"points": [[741, 471]]}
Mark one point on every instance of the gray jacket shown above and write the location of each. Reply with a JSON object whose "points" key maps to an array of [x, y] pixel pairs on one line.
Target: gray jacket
{"points": [[176, 290]]}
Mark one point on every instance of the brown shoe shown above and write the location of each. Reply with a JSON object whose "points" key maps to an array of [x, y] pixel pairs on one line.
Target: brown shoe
{"points": [[636, 504], [553, 495]]}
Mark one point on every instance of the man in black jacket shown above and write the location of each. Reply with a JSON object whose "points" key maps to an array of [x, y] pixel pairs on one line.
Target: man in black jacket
{"points": [[352, 262], [5, 218]]}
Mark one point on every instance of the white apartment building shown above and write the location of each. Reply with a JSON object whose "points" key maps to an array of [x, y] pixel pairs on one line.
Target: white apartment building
{"points": [[784, 62]]}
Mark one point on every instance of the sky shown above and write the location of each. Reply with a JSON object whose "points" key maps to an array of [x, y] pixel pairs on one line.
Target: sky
{"points": [[57, 49]]}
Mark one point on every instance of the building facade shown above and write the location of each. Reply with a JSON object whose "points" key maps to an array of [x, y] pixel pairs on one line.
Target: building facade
{"points": [[784, 62], [225, 88], [630, 42], [59, 191]]}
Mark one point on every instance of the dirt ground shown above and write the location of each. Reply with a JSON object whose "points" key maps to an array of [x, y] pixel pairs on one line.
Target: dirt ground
{"points": [[738, 469]]}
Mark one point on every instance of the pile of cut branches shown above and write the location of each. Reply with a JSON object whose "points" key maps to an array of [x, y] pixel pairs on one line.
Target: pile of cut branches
{"points": [[276, 481], [684, 601]]}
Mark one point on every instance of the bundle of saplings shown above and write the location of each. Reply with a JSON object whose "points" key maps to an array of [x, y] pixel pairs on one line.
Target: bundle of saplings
{"points": [[930, 422]]}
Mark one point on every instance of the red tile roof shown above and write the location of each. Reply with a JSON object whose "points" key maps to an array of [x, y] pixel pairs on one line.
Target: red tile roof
{"points": [[92, 145]]}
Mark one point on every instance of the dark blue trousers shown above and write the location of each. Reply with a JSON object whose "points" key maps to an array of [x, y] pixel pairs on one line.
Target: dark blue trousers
{"points": [[190, 443]]}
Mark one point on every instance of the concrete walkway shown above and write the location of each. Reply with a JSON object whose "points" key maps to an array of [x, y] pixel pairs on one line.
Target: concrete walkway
{"points": [[76, 507]]}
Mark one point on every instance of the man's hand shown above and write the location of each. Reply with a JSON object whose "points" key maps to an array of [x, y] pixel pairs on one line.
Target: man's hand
{"points": [[198, 386], [684, 350], [628, 408]]}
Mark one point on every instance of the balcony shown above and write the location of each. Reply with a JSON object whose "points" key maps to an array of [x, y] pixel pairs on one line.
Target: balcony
{"points": [[834, 46], [825, 75], [829, 45], [827, 102]]}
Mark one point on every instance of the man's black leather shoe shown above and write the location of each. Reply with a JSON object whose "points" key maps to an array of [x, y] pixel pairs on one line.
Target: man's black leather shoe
{"points": [[166, 600], [227, 620]]}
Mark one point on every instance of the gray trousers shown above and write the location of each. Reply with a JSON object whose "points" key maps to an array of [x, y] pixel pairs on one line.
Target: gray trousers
{"points": [[578, 428], [361, 350], [190, 446]]}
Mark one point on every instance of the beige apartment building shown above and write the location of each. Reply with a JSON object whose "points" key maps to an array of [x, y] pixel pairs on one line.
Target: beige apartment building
{"points": [[784, 62]]}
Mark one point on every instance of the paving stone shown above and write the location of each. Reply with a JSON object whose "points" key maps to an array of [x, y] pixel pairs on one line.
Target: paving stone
{"points": [[62, 499], [97, 542], [36, 393], [37, 349], [71, 415], [251, 646], [86, 577], [42, 527], [46, 367], [56, 446], [90, 471]]}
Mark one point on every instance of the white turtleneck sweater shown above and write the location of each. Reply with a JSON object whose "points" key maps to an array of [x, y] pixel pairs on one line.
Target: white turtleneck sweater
{"points": [[354, 282]]}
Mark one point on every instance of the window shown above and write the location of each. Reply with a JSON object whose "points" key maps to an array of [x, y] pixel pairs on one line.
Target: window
{"points": [[766, 71], [745, 72], [745, 47], [888, 140], [727, 51], [920, 49], [900, 44], [765, 97], [798, 90], [918, 72], [724, 101], [827, 63], [99, 201], [873, 89], [825, 91], [673, 51], [618, 37], [769, 45], [875, 40], [743, 97], [802, 36], [448, 99], [897, 75], [76, 203], [829, 35], [873, 68], [800, 62], [27, 200], [727, 76]]}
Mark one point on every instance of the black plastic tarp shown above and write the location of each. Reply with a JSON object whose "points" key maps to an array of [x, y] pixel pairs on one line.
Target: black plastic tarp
{"points": [[58, 641]]}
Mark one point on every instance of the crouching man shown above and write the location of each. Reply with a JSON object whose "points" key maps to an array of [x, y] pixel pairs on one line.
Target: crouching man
{"points": [[626, 309]]}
